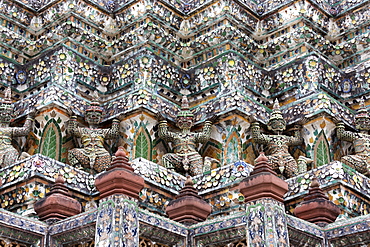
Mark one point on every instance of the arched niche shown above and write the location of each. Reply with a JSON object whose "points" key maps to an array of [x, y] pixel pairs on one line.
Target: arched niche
{"points": [[143, 144], [51, 140], [321, 150]]}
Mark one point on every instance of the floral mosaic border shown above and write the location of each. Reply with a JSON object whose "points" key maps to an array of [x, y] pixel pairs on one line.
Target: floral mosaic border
{"points": [[158, 175], [219, 223], [348, 226], [162, 222], [327, 175], [74, 222], [29, 224], [305, 226], [41, 166], [17, 227]]}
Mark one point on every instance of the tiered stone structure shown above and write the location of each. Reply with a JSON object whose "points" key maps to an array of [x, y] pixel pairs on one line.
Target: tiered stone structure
{"points": [[231, 60], [119, 178], [58, 204], [188, 207]]}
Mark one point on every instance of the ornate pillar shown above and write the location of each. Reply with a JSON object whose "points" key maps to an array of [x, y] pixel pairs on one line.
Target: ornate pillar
{"points": [[265, 212], [117, 223]]}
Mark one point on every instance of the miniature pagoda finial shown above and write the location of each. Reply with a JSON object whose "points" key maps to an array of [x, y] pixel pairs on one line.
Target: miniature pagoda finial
{"points": [[93, 157], [185, 107], [8, 154], [188, 207], [277, 145], [360, 161], [316, 207], [185, 158], [58, 204], [263, 182], [119, 178]]}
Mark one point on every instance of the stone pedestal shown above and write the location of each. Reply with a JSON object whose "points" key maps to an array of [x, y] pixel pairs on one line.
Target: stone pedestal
{"points": [[57, 204], [117, 223], [188, 207], [316, 207], [266, 218]]}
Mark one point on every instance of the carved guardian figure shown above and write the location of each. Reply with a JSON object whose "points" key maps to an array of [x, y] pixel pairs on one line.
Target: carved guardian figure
{"points": [[8, 154], [360, 161], [278, 145], [93, 157], [185, 158]]}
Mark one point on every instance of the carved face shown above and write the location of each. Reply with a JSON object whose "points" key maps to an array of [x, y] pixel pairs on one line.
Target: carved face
{"points": [[93, 117], [185, 122], [6, 115], [276, 125], [363, 124]]}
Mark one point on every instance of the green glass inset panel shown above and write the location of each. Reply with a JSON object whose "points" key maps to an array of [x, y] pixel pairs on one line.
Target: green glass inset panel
{"points": [[49, 145], [232, 151], [142, 146], [322, 154], [51, 140], [322, 151]]}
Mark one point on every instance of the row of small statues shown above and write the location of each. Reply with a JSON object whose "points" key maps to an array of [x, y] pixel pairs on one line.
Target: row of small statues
{"points": [[185, 158]]}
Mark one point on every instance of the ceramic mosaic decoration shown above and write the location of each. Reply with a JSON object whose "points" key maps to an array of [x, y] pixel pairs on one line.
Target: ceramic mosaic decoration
{"points": [[112, 103]]}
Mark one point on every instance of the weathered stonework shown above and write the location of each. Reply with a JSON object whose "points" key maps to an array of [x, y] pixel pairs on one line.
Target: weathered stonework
{"points": [[57, 204], [316, 207], [263, 183], [232, 60], [188, 207], [119, 178]]}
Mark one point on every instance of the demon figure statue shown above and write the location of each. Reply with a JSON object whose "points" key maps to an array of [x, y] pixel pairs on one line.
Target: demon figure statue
{"points": [[360, 161], [8, 154], [92, 157], [185, 158], [278, 144]]}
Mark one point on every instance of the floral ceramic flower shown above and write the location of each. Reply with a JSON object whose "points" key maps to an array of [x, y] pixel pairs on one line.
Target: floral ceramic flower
{"points": [[336, 170], [324, 101]]}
